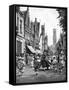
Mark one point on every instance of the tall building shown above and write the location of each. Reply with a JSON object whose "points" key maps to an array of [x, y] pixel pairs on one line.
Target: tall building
{"points": [[43, 35], [54, 36], [36, 33]]}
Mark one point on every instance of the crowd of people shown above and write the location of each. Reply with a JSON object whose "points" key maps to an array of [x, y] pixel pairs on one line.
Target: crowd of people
{"points": [[43, 62], [47, 62]]}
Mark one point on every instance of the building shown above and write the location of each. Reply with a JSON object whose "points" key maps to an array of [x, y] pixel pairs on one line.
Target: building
{"points": [[54, 41], [46, 43], [61, 44], [27, 26], [33, 34], [27, 38], [31, 31], [54, 36], [36, 33], [43, 35], [20, 40]]}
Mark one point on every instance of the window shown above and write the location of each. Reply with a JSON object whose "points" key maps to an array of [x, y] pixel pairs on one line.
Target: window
{"points": [[19, 47], [20, 26]]}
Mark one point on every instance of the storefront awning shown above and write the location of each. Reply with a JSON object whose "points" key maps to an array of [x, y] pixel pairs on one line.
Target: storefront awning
{"points": [[31, 49]]}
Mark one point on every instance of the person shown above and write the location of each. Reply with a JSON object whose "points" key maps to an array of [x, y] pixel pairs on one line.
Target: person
{"points": [[43, 63], [44, 60], [54, 60]]}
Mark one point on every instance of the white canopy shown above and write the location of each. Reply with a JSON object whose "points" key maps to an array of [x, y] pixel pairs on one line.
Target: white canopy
{"points": [[31, 49]]}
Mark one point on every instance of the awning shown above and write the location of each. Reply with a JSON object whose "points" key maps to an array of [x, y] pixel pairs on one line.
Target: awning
{"points": [[31, 49]]}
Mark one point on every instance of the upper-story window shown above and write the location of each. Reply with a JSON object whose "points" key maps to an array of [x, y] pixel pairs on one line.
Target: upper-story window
{"points": [[20, 26]]}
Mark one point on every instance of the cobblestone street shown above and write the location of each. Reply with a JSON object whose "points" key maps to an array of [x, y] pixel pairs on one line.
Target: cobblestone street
{"points": [[30, 76]]}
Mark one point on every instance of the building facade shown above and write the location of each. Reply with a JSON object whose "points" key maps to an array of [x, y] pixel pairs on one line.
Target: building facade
{"points": [[20, 40], [27, 33], [27, 26]]}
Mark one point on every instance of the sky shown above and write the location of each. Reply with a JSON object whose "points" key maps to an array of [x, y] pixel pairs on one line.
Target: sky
{"points": [[47, 17]]}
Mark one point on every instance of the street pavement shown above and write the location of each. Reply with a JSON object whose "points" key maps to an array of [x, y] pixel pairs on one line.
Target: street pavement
{"points": [[30, 76]]}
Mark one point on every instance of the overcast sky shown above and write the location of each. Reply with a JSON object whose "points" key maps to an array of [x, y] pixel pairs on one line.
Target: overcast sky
{"points": [[47, 16]]}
